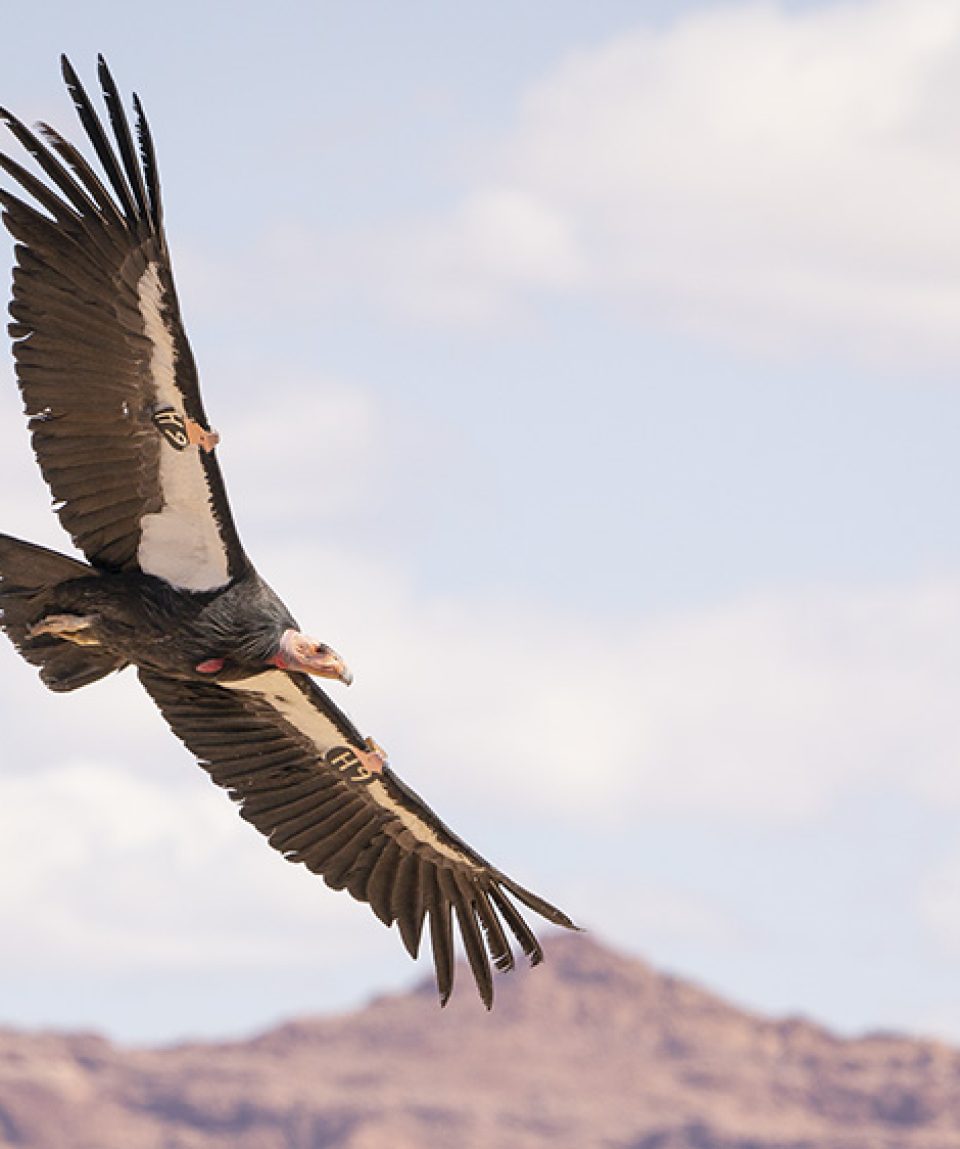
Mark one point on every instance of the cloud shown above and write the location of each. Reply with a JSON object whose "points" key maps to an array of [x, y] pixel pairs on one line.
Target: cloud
{"points": [[319, 445], [468, 268], [107, 869], [773, 177]]}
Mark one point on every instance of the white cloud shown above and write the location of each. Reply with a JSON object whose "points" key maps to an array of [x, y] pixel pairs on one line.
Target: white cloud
{"points": [[772, 176], [468, 268], [107, 869], [318, 444]]}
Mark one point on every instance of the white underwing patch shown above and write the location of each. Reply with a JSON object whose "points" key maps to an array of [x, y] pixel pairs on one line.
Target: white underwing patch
{"points": [[421, 830], [275, 687], [181, 542]]}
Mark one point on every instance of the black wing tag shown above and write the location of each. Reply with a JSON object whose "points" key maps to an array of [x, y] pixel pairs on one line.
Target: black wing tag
{"points": [[346, 762], [172, 427], [181, 433]]}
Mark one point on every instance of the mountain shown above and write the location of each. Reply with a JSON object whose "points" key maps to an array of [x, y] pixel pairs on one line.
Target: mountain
{"points": [[593, 1050]]}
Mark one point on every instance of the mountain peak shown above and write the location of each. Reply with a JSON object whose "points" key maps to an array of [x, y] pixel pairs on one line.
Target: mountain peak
{"points": [[592, 1048]]}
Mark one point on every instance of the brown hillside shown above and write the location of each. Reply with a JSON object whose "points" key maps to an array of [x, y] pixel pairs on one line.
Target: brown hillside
{"points": [[591, 1050]]}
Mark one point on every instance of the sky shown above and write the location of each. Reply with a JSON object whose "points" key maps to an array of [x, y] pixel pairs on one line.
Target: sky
{"points": [[589, 377]]}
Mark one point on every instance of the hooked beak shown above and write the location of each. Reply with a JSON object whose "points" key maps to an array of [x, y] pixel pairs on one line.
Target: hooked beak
{"points": [[298, 652]]}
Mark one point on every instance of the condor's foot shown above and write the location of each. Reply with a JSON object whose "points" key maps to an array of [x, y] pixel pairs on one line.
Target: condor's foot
{"points": [[76, 628]]}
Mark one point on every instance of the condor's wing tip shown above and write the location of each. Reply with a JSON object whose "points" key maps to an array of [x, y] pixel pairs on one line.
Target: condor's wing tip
{"points": [[104, 74]]}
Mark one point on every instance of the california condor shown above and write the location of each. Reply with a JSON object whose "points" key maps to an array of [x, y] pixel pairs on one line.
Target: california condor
{"points": [[118, 427]]}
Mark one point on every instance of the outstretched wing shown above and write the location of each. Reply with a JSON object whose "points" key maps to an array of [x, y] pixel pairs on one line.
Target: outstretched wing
{"points": [[107, 375], [288, 756]]}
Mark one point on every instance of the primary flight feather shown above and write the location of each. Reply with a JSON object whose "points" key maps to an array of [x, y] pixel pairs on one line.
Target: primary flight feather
{"points": [[118, 427]]}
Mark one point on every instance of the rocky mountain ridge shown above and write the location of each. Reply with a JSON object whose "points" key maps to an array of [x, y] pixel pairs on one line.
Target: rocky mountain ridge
{"points": [[593, 1049]]}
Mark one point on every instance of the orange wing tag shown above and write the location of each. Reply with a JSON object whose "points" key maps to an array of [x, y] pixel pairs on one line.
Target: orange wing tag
{"points": [[205, 440]]}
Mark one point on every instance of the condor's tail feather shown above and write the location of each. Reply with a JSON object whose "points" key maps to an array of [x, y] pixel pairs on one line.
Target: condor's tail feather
{"points": [[29, 577]]}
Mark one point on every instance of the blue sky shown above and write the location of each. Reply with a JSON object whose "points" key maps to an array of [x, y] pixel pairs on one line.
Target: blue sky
{"points": [[587, 375]]}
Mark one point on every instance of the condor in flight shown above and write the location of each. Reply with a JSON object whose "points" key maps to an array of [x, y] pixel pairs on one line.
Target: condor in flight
{"points": [[111, 391]]}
